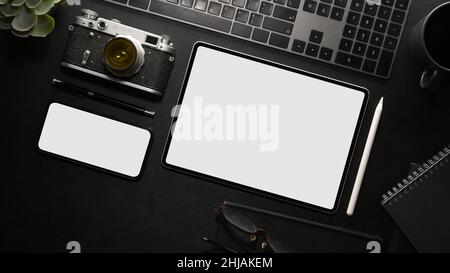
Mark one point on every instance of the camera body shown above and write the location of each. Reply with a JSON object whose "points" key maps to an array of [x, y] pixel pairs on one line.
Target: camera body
{"points": [[119, 53]]}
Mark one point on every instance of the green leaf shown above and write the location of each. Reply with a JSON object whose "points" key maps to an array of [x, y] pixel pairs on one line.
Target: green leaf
{"points": [[21, 34], [2, 2], [5, 26], [25, 20], [45, 24], [10, 11], [5, 23], [17, 3], [44, 7], [33, 3]]}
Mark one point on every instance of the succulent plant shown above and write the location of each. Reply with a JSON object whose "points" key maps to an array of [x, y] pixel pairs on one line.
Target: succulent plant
{"points": [[27, 17]]}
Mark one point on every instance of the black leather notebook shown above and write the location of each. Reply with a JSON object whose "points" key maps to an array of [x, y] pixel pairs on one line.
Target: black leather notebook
{"points": [[420, 203]]}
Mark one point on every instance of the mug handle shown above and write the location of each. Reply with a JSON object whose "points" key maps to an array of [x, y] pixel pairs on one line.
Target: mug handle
{"points": [[431, 79]]}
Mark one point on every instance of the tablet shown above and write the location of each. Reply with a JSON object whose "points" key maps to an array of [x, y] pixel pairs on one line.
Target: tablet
{"points": [[265, 127]]}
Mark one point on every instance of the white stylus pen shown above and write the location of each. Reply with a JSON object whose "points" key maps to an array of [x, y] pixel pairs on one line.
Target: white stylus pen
{"points": [[365, 158]]}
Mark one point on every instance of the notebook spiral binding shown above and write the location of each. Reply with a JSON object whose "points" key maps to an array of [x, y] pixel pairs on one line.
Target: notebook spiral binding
{"points": [[415, 175]]}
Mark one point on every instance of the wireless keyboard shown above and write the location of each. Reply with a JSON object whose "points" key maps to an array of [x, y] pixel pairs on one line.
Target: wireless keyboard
{"points": [[361, 35]]}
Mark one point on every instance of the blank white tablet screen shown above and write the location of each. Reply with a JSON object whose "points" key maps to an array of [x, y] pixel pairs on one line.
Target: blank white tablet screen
{"points": [[300, 152], [94, 140]]}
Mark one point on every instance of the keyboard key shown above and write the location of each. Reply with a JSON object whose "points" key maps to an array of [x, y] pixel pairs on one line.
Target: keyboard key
{"points": [[266, 8], [324, 10], [369, 66], [388, 3], [202, 19], [373, 52], [285, 13], [260, 35], [142, 4], [357, 5], [242, 16], [384, 12], [367, 22], [312, 50], [390, 43], [380, 26], [363, 35], [341, 3], [349, 31], [293, 3], [279, 40], [201, 5], [272, 21], [376, 39], [326, 53], [359, 49], [316, 36], [241, 30], [349, 60], [394, 29], [353, 18], [398, 16], [371, 9], [252, 5], [346, 45], [187, 3], [384, 64], [277, 25], [255, 19], [228, 12], [239, 3], [214, 8], [337, 13], [310, 6], [298, 46], [402, 4]]}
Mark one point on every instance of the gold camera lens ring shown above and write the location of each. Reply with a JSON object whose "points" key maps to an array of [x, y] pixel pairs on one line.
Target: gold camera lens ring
{"points": [[123, 56]]}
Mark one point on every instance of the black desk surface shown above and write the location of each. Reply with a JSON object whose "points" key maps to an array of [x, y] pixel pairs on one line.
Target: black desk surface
{"points": [[47, 202]]}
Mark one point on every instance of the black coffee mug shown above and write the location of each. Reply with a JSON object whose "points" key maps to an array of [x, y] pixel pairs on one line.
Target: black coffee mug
{"points": [[430, 46]]}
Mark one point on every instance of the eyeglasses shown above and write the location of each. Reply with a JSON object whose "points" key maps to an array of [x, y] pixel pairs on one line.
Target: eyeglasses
{"points": [[248, 235]]}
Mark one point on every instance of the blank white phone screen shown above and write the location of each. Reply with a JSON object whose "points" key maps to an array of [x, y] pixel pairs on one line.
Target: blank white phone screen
{"points": [[94, 140], [305, 156]]}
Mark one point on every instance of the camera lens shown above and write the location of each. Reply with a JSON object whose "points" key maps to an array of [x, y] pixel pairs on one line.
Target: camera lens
{"points": [[123, 56]]}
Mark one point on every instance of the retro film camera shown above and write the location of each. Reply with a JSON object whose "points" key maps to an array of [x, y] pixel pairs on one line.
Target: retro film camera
{"points": [[119, 53]]}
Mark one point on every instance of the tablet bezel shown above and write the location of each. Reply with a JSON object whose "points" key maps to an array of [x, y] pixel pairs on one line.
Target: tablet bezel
{"points": [[236, 185]]}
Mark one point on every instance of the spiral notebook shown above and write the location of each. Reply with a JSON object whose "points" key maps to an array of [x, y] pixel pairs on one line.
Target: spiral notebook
{"points": [[420, 203]]}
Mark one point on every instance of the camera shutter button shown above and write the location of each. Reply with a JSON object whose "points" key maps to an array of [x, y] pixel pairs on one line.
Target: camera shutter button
{"points": [[89, 14], [102, 25]]}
